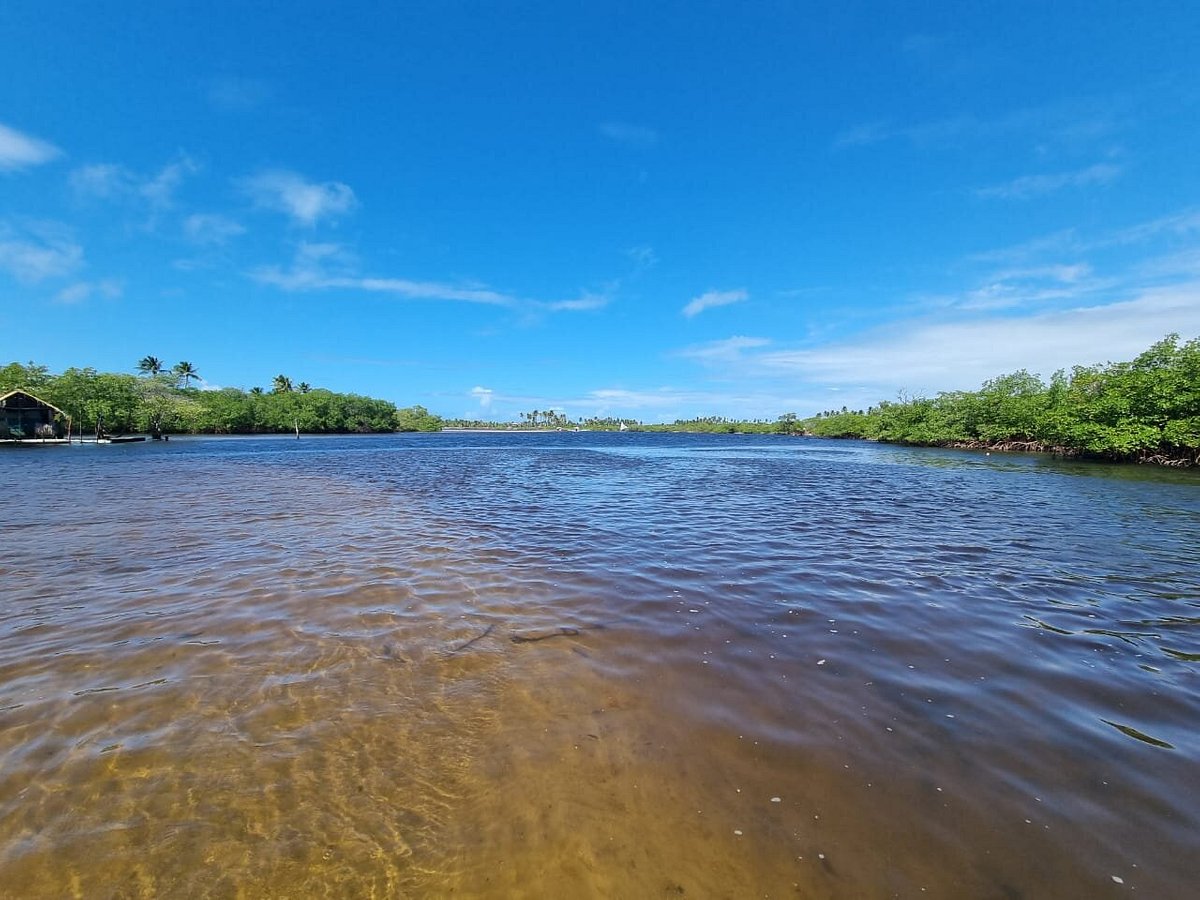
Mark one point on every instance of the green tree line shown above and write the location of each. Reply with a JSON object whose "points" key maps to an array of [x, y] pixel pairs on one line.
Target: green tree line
{"points": [[1147, 410], [163, 402]]}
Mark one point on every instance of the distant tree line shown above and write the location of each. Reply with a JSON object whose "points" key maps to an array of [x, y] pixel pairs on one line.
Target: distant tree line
{"points": [[1147, 410], [549, 420], [716, 425], [161, 401], [553, 421]]}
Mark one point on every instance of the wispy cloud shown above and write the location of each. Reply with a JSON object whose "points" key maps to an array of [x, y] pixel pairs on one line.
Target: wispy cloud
{"points": [[667, 403], [228, 93], [1029, 186], [329, 266], [712, 299], [643, 257], [323, 266], [585, 302], [101, 181], [1072, 124], [921, 44], [20, 151], [1180, 226], [728, 350], [159, 189], [1069, 298], [425, 290], [211, 229], [865, 133], [81, 291], [662, 403], [37, 251], [629, 133], [153, 191], [483, 395], [1031, 287], [305, 202], [929, 356]]}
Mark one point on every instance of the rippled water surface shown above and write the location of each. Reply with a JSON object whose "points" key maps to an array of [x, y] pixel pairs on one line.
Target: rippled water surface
{"points": [[594, 665]]}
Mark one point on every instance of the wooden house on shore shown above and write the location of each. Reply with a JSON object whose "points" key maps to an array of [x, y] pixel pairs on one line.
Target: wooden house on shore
{"points": [[24, 417]]}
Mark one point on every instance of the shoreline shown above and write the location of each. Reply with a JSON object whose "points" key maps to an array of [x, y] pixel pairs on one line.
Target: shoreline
{"points": [[1067, 453]]}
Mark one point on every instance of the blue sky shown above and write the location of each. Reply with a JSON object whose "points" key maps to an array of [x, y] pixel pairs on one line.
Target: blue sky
{"points": [[653, 210]]}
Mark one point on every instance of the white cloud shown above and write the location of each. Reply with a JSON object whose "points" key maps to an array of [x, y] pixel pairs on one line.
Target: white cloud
{"points": [[1032, 286], [1067, 299], [629, 133], [425, 290], [921, 44], [665, 404], [865, 133], [713, 298], [643, 257], [159, 189], [1028, 186], [109, 181], [1066, 273], [313, 267], [483, 395], [321, 266], [211, 229], [306, 202], [1178, 226], [328, 266], [725, 351], [1077, 123], [932, 356], [585, 302], [20, 151], [228, 93], [81, 291], [38, 251], [101, 180], [661, 404]]}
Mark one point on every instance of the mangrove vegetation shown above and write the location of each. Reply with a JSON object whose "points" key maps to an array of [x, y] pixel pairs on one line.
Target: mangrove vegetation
{"points": [[164, 401], [1147, 410]]}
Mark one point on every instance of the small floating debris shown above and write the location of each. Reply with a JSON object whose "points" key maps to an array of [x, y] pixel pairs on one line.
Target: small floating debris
{"points": [[776, 799], [1118, 879], [1138, 735], [737, 831]]}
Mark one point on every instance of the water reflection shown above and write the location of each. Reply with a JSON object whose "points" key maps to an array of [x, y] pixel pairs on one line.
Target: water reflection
{"points": [[593, 665]]}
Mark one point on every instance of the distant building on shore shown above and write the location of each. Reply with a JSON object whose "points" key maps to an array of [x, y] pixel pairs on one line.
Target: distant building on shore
{"points": [[25, 417]]}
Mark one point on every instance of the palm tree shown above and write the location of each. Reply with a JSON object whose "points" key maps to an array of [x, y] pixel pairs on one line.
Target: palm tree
{"points": [[150, 365], [185, 372], [303, 387], [282, 384]]}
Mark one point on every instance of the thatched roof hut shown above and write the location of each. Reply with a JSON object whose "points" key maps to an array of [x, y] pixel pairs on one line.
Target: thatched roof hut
{"points": [[24, 416]]}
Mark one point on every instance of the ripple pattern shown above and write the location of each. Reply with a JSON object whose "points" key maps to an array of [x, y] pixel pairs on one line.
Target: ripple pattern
{"points": [[594, 665]]}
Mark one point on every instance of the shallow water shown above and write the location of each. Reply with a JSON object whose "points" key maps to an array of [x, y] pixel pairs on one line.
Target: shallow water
{"points": [[594, 665]]}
